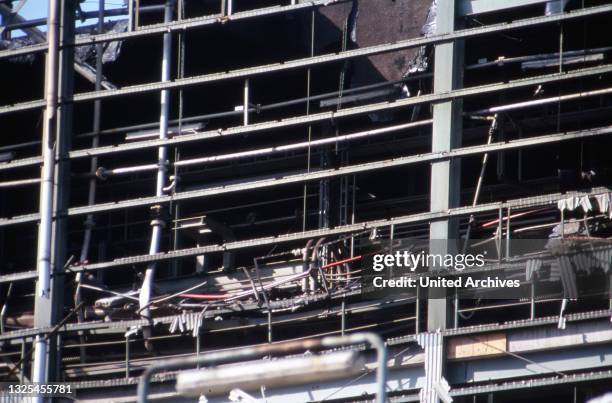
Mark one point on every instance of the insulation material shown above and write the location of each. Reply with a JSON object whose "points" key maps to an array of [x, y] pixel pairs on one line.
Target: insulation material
{"points": [[603, 203], [568, 278], [584, 202], [532, 266], [187, 321]]}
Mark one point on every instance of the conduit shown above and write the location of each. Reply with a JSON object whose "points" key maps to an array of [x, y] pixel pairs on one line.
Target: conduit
{"points": [[20, 182], [267, 150], [43, 260], [256, 109], [157, 223], [542, 101]]}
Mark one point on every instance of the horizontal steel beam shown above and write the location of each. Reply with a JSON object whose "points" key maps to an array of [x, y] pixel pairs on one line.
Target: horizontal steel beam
{"points": [[510, 325], [542, 200], [316, 60], [177, 26], [532, 383], [266, 182], [260, 183], [405, 396], [569, 358], [21, 163], [318, 117], [348, 112]]}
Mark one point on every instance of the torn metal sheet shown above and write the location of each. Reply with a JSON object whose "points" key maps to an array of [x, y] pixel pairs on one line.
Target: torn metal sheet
{"points": [[111, 51], [85, 53], [403, 19], [420, 61]]}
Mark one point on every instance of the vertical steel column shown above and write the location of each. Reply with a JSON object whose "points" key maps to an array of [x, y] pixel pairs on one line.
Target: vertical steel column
{"points": [[162, 161], [446, 135], [43, 256], [61, 193], [445, 180], [91, 195]]}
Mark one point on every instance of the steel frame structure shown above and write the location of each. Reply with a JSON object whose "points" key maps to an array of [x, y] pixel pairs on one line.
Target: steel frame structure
{"points": [[446, 100]]}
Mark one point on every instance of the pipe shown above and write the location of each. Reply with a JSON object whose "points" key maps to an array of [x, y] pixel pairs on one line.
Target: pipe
{"points": [[348, 137], [313, 259], [306, 265], [199, 118], [535, 102], [157, 224], [20, 182], [43, 259], [245, 107], [502, 61], [252, 352], [269, 150], [500, 108], [259, 108], [485, 159]]}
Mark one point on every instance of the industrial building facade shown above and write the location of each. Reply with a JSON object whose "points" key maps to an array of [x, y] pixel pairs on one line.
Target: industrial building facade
{"points": [[189, 177]]}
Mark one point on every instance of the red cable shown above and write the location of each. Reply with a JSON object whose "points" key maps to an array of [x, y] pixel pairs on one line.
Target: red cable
{"points": [[204, 296], [340, 262]]}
